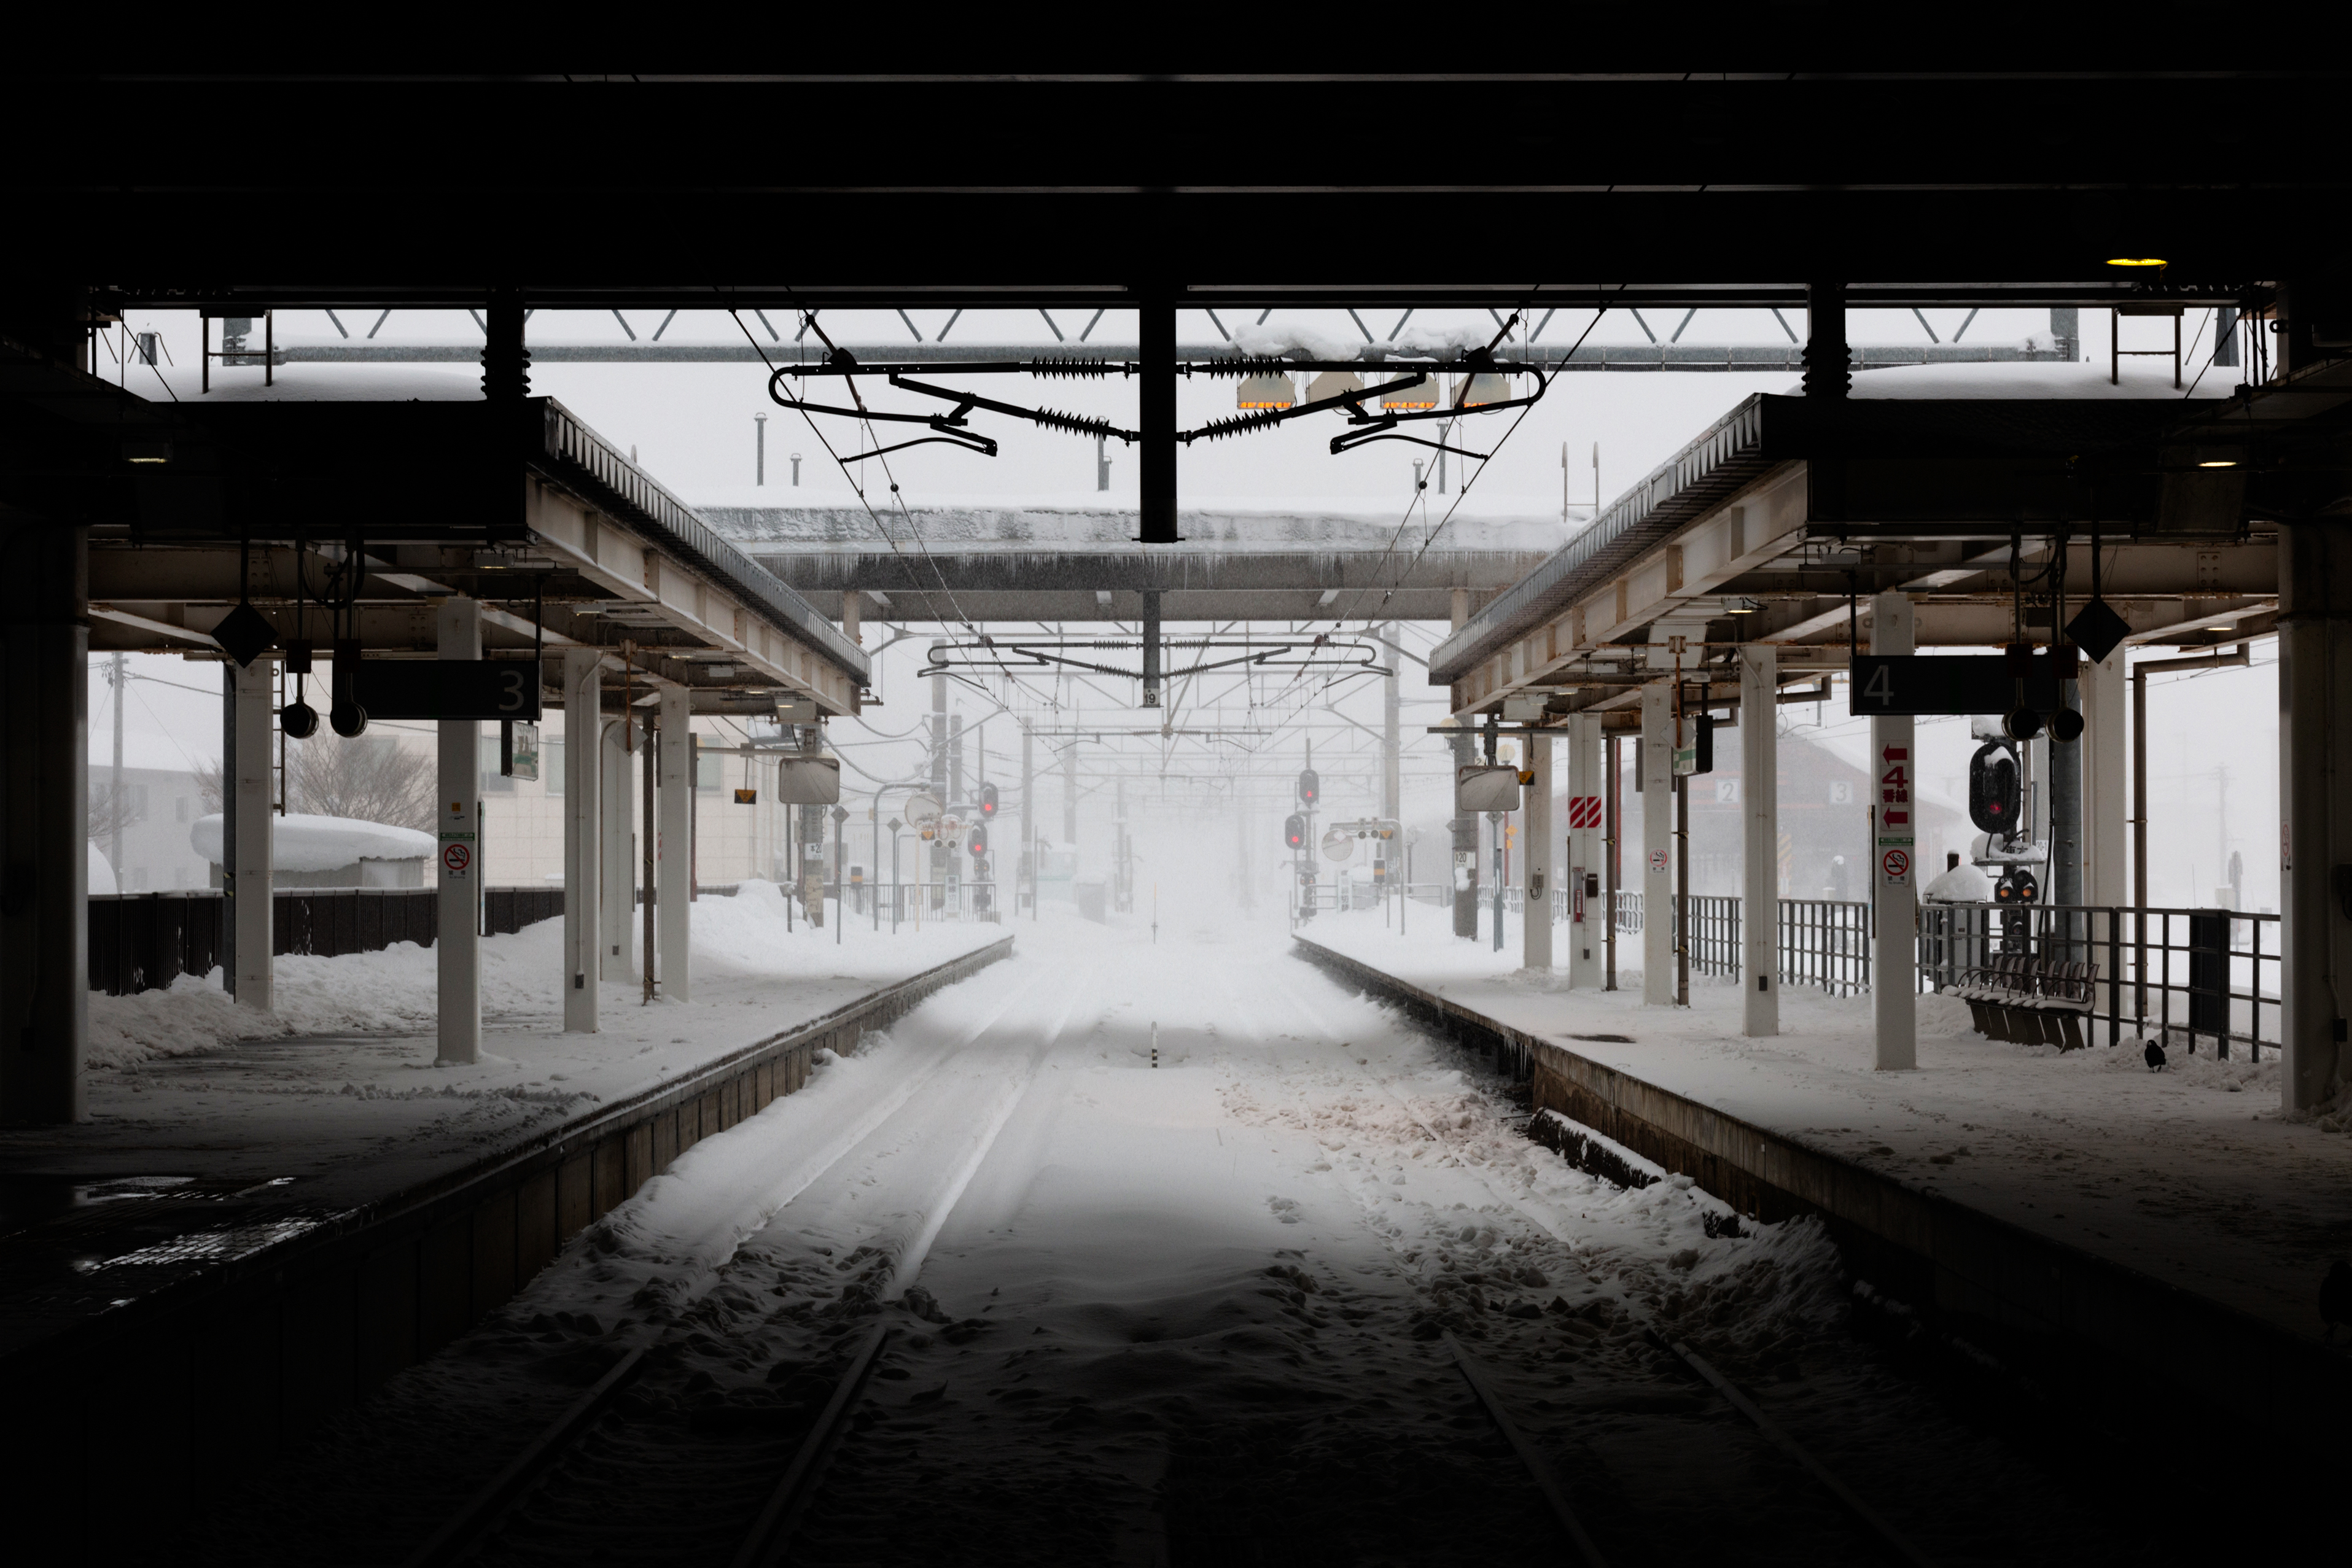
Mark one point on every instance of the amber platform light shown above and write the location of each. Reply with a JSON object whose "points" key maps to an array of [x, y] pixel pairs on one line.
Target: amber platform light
{"points": [[2135, 261]]}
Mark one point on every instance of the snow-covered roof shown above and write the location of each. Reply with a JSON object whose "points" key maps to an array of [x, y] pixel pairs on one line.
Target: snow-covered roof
{"points": [[301, 842], [2140, 380]]}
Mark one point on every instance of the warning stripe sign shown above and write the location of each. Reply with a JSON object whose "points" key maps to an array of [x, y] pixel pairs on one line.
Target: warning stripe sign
{"points": [[1584, 811]]}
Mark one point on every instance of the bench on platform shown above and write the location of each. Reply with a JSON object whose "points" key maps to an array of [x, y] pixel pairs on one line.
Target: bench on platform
{"points": [[2030, 1001]]}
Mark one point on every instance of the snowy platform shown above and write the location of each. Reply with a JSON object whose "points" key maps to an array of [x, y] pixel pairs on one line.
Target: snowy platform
{"points": [[2190, 1178], [216, 1134]]}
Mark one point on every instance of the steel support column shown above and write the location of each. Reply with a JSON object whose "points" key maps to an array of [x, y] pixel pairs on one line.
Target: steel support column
{"points": [[1759, 815], [616, 879], [2105, 804], [1535, 849], [674, 845], [582, 835], [1891, 876], [44, 929], [253, 773], [457, 952], [1155, 320], [1657, 779], [1585, 912], [2314, 816]]}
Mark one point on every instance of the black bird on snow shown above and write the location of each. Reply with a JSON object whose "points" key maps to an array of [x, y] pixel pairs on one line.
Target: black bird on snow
{"points": [[2335, 1298], [2155, 1055]]}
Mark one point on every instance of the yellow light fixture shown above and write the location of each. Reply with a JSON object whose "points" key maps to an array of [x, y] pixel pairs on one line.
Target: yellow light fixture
{"points": [[1266, 390], [1413, 399], [1334, 384], [2135, 261], [2222, 626], [2219, 463], [1486, 388]]}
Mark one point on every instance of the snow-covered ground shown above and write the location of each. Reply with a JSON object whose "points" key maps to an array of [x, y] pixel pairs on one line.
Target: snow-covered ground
{"points": [[2191, 1175], [339, 1084], [1177, 1309]]}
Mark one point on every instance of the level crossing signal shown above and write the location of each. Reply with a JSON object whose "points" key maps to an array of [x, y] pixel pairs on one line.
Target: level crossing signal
{"points": [[987, 803], [1310, 786], [1294, 831]]}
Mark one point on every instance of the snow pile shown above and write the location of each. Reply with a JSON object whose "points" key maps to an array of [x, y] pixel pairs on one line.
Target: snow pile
{"points": [[300, 842], [192, 1014], [101, 872]]}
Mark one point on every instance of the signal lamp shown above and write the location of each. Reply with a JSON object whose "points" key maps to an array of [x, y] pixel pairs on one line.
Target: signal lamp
{"points": [[2134, 261]]}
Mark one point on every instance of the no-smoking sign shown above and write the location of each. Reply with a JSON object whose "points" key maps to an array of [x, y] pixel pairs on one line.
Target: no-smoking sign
{"points": [[455, 858], [1896, 864], [1658, 861]]}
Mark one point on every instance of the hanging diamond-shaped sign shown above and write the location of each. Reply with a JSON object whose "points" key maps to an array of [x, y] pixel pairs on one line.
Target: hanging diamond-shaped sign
{"points": [[245, 633], [2097, 630]]}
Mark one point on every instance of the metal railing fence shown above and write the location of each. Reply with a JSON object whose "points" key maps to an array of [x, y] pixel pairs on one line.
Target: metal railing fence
{"points": [[2190, 975]]}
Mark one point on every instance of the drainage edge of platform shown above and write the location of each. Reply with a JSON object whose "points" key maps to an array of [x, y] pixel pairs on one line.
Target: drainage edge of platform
{"points": [[2068, 1315], [209, 1376]]}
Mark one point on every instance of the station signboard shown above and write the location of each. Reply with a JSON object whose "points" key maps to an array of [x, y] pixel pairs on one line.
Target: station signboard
{"points": [[449, 688]]}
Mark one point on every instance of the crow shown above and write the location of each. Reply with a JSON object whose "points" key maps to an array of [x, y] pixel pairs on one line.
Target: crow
{"points": [[2154, 1054], [2335, 1298]]}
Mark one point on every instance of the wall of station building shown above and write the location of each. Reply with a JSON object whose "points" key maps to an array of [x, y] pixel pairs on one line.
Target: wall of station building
{"points": [[522, 819]]}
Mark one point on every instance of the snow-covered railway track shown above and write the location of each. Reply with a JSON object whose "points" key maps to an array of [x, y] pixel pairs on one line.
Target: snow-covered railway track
{"points": [[652, 1465], [1633, 1358]]}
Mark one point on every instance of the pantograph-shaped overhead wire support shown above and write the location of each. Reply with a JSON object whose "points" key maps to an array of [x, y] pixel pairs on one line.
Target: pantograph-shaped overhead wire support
{"points": [[993, 652], [952, 425]]}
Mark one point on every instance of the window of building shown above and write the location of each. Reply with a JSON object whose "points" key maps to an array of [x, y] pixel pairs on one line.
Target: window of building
{"points": [[705, 773], [180, 809]]}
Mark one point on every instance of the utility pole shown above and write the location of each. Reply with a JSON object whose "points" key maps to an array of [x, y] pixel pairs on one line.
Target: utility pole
{"points": [[939, 776], [1070, 794], [1391, 782], [760, 449], [1028, 812]]}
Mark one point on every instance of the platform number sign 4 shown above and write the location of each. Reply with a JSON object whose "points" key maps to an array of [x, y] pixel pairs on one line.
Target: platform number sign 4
{"points": [[1896, 841]]}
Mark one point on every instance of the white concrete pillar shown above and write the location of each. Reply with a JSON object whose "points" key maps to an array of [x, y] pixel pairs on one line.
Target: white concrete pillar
{"points": [[458, 945], [1535, 848], [255, 800], [1657, 878], [616, 879], [1585, 910], [673, 844], [2106, 782], [2315, 832], [1893, 874], [582, 835], [1760, 814]]}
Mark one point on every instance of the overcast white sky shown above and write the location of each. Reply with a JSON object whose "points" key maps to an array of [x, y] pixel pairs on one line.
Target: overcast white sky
{"points": [[693, 426]]}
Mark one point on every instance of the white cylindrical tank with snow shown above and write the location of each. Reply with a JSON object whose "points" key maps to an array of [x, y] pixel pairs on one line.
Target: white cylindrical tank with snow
{"points": [[328, 851]]}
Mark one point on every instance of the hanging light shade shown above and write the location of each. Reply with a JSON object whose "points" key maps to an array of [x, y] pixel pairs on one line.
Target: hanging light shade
{"points": [[1485, 389], [1413, 399], [1334, 384], [1266, 390]]}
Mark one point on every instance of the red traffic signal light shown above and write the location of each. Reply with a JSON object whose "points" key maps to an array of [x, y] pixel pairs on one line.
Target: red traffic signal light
{"points": [[980, 840], [1294, 831], [987, 802], [1310, 786]]}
